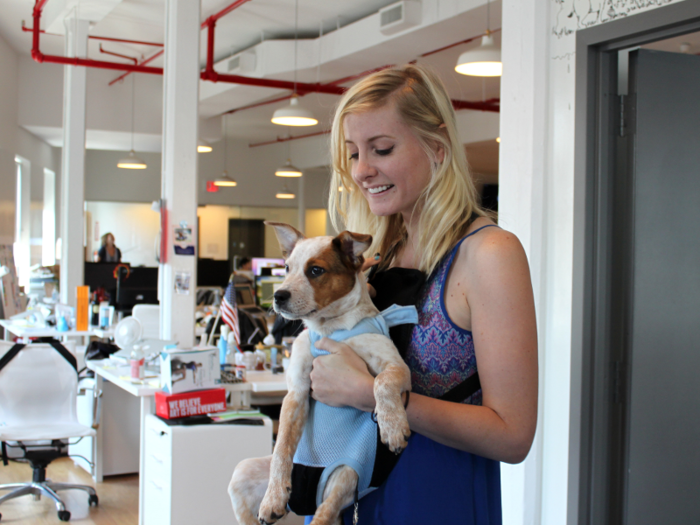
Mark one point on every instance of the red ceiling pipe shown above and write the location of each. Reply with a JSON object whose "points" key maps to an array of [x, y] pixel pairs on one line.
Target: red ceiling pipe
{"points": [[118, 55], [146, 61], [491, 105], [38, 56], [93, 37], [286, 139]]}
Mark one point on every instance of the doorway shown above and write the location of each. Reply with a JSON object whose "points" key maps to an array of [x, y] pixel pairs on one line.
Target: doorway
{"points": [[246, 238], [637, 297]]}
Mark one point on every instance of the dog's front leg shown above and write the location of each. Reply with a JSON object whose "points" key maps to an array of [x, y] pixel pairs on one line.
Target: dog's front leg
{"points": [[295, 410], [392, 377]]}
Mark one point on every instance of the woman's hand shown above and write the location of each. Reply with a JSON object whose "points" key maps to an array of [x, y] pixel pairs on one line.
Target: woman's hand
{"points": [[341, 378]]}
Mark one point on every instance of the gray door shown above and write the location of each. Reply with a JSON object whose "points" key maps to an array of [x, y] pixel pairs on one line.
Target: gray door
{"points": [[662, 475]]}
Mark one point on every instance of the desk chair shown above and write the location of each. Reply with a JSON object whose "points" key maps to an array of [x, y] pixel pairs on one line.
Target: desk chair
{"points": [[38, 398], [149, 317]]}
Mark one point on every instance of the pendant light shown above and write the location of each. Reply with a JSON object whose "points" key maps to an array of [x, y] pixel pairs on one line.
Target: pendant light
{"points": [[132, 162], [288, 170], [485, 60], [294, 114], [225, 181], [285, 194], [203, 146]]}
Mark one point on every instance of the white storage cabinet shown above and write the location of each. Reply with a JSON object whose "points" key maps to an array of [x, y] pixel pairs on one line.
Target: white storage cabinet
{"points": [[188, 469]]}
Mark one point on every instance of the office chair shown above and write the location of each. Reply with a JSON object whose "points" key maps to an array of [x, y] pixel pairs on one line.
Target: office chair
{"points": [[38, 399], [149, 317]]}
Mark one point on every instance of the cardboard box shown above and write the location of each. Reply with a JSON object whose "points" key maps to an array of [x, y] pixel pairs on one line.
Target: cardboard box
{"points": [[173, 406], [186, 370]]}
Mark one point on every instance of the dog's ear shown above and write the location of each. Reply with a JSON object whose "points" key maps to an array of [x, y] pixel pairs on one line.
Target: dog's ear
{"points": [[287, 236], [352, 246]]}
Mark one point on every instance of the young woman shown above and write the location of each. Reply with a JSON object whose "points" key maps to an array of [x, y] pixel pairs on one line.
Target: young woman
{"points": [[473, 355], [109, 251]]}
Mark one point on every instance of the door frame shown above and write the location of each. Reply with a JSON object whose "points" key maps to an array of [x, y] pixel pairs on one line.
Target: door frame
{"points": [[594, 427]]}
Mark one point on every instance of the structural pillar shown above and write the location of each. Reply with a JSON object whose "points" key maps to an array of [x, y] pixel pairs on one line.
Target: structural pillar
{"points": [[73, 162], [302, 206], [178, 268]]}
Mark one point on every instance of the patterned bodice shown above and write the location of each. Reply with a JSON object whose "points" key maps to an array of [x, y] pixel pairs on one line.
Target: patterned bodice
{"points": [[440, 353]]}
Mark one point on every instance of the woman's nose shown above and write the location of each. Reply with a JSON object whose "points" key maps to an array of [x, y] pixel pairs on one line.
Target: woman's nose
{"points": [[363, 170]]}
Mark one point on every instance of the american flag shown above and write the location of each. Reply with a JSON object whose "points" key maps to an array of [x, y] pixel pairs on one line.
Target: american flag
{"points": [[229, 312]]}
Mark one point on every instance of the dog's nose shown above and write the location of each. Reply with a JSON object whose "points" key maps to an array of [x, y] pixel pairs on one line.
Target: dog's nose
{"points": [[282, 296]]}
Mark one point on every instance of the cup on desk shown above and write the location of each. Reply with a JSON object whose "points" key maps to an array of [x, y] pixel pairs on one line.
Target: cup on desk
{"points": [[106, 315], [249, 360]]}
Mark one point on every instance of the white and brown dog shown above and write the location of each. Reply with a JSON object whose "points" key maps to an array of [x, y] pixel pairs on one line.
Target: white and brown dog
{"points": [[319, 464]]}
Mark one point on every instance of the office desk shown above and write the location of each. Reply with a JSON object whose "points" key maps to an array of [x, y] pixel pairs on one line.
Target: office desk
{"points": [[25, 330], [261, 382]]}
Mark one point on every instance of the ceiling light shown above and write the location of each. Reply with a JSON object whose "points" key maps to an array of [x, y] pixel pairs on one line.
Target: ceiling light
{"points": [[285, 194], [132, 162], [294, 115], [288, 170], [203, 146], [225, 181], [483, 61]]}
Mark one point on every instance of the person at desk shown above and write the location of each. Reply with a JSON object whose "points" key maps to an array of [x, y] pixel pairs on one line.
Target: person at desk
{"points": [[109, 251], [244, 272]]}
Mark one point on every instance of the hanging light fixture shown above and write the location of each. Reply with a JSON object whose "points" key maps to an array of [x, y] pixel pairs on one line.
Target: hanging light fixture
{"points": [[203, 146], [132, 162], [294, 114], [288, 170], [225, 181], [285, 194], [485, 60]]}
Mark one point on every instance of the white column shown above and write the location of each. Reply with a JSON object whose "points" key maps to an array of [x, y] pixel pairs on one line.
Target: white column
{"points": [[302, 206], [73, 162], [179, 168]]}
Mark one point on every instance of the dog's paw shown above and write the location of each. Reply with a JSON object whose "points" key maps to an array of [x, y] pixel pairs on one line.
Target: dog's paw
{"points": [[394, 431], [274, 504]]}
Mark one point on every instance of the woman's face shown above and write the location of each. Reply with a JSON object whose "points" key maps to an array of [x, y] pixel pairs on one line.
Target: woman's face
{"points": [[109, 240], [388, 162]]}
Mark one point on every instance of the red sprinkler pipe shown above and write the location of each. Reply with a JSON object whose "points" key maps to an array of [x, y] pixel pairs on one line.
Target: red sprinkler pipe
{"points": [[287, 139], [38, 56], [118, 55], [94, 37], [146, 61]]}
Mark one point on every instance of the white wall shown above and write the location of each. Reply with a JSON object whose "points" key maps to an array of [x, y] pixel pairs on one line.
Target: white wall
{"points": [[536, 202]]}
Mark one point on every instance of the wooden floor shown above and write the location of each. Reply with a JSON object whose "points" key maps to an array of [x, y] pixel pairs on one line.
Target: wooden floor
{"points": [[119, 497]]}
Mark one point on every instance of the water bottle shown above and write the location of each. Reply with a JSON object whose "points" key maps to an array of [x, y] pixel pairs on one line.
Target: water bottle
{"points": [[138, 363]]}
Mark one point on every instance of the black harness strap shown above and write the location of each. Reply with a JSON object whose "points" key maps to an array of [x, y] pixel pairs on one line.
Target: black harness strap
{"points": [[465, 389], [10, 354]]}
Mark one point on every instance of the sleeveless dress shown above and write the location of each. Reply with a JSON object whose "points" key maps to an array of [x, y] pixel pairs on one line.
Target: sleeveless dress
{"points": [[431, 482]]}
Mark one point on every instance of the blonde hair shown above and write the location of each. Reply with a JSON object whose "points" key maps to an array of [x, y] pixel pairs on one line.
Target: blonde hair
{"points": [[449, 200]]}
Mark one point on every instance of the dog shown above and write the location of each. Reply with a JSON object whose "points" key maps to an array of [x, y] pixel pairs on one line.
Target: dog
{"points": [[325, 287]]}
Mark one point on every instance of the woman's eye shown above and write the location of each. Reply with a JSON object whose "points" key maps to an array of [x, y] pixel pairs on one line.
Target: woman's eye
{"points": [[383, 152], [354, 156], [315, 271]]}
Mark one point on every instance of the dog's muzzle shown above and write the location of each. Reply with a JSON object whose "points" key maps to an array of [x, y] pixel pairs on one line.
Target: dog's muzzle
{"points": [[282, 297]]}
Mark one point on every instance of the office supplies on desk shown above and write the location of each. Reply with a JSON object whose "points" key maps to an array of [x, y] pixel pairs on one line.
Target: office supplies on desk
{"points": [[193, 369], [197, 403]]}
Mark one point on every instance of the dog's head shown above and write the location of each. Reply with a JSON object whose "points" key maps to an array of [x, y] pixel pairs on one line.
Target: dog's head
{"points": [[323, 273]]}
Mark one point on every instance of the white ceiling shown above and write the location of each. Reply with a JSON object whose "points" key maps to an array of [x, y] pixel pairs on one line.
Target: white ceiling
{"points": [[247, 26]]}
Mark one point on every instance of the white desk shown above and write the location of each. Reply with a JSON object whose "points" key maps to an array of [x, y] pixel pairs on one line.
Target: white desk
{"points": [[25, 330], [262, 382]]}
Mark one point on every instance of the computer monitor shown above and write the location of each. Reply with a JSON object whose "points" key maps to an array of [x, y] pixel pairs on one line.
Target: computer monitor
{"points": [[244, 295], [261, 262], [266, 286], [278, 272]]}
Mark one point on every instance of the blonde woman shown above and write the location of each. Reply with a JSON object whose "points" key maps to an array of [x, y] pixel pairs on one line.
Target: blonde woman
{"points": [[109, 251], [473, 354]]}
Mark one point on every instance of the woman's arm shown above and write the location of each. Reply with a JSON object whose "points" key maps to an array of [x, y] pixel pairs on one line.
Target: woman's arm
{"points": [[501, 306]]}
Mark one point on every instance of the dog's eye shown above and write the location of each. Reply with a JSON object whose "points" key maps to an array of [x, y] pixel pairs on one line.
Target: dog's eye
{"points": [[286, 268], [315, 271]]}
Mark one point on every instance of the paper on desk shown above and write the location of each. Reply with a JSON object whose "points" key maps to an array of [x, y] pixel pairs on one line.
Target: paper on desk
{"points": [[218, 417]]}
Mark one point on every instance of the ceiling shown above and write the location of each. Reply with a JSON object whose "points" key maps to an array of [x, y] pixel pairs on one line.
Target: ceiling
{"points": [[266, 20]]}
